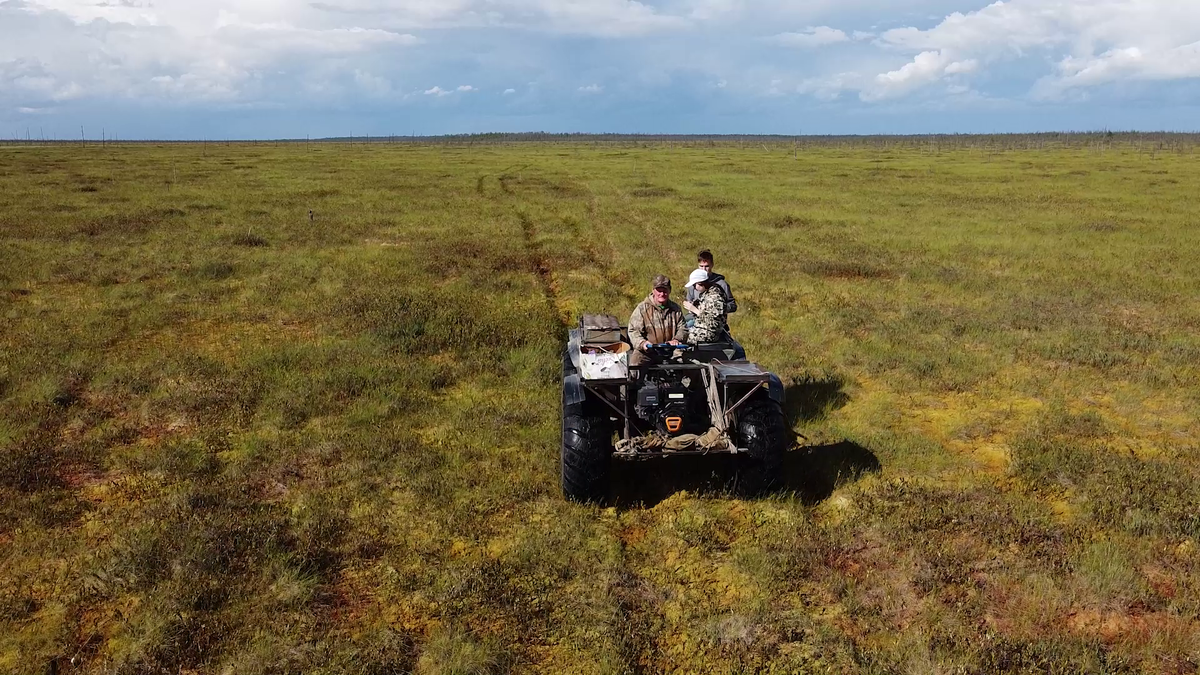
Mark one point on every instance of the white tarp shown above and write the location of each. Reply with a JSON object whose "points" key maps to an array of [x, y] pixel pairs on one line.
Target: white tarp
{"points": [[602, 365]]}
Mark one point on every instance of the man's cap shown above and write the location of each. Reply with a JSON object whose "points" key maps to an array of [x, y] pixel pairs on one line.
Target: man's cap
{"points": [[660, 281], [698, 275]]}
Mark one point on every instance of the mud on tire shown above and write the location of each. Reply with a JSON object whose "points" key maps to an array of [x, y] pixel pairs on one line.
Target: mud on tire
{"points": [[762, 431]]}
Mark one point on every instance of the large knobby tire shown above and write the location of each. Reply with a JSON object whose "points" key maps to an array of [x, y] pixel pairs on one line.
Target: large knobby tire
{"points": [[587, 447], [586, 456], [762, 432]]}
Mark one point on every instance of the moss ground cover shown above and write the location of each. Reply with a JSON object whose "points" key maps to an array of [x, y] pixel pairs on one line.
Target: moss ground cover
{"points": [[275, 409]]}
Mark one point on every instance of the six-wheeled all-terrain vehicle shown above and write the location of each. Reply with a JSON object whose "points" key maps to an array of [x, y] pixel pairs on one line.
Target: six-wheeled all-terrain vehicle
{"points": [[689, 399]]}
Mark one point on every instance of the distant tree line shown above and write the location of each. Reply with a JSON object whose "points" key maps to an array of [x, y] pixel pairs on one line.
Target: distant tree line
{"points": [[1006, 141]]}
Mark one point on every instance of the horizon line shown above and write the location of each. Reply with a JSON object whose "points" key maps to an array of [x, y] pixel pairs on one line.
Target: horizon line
{"points": [[534, 136]]}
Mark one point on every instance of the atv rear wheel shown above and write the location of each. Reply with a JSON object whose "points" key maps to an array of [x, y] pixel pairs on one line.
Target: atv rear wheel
{"points": [[762, 432]]}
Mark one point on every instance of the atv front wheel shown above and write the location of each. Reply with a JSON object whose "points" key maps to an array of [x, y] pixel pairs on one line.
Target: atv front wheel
{"points": [[586, 457], [762, 432]]}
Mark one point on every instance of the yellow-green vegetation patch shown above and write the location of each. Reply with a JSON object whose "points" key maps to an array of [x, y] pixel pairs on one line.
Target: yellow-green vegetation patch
{"points": [[295, 408]]}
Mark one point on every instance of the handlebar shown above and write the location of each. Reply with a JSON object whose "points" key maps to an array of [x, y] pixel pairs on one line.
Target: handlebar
{"points": [[668, 347]]}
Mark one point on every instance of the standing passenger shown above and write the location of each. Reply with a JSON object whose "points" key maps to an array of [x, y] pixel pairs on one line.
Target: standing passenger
{"points": [[704, 260]]}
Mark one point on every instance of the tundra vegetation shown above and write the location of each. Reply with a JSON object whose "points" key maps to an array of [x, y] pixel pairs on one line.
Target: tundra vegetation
{"points": [[239, 438]]}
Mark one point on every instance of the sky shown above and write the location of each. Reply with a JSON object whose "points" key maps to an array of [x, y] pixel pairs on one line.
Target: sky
{"points": [[193, 69]]}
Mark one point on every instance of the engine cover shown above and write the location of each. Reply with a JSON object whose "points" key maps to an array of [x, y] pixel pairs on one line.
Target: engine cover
{"points": [[672, 407]]}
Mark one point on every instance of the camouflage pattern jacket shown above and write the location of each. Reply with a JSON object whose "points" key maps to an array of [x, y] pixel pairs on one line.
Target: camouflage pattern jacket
{"points": [[710, 322], [651, 323], [718, 279]]}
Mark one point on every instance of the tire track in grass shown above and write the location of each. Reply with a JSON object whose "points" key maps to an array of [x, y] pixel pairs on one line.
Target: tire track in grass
{"points": [[639, 614], [507, 175], [639, 620], [622, 588], [501, 179], [538, 263], [542, 270], [639, 600], [605, 260], [650, 235], [633, 595], [598, 246]]}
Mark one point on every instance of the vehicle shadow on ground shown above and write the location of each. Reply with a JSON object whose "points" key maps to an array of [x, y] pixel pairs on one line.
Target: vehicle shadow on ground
{"points": [[810, 472], [812, 399]]}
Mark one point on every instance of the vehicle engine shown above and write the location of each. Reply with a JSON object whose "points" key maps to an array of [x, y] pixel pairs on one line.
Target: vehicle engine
{"points": [[674, 403]]}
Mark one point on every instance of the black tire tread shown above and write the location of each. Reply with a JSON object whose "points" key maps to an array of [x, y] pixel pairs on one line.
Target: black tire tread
{"points": [[763, 432], [586, 457]]}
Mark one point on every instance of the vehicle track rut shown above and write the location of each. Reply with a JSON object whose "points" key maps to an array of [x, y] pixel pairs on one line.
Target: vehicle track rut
{"points": [[633, 644], [638, 602], [542, 270], [637, 614]]}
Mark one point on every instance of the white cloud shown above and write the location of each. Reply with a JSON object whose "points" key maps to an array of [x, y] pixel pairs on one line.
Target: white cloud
{"points": [[605, 18], [1091, 43], [372, 84], [925, 68], [811, 37], [227, 54], [830, 87], [593, 17], [57, 50], [439, 92], [1104, 41], [272, 40], [962, 67], [1130, 63], [231, 52]]}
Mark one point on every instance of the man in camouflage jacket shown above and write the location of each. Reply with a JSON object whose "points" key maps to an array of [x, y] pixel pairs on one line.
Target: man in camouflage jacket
{"points": [[656, 320]]}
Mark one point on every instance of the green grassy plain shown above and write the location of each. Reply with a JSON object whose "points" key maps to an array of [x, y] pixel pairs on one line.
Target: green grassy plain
{"points": [[234, 439]]}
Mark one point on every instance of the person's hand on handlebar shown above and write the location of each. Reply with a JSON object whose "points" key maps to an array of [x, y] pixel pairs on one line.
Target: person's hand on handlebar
{"points": [[651, 346]]}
